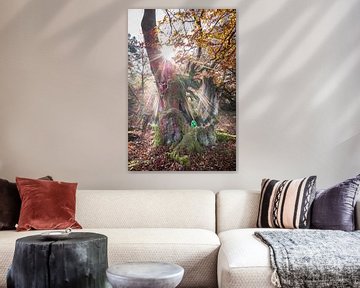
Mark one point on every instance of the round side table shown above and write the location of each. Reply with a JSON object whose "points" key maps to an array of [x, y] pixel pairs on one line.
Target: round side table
{"points": [[145, 275]]}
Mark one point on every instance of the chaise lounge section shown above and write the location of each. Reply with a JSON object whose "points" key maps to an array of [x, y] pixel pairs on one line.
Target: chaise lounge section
{"points": [[244, 260]]}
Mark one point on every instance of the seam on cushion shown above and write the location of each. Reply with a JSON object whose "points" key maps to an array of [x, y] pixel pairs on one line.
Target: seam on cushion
{"points": [[356, 195], [330, 226], [226, 270], [147, 243], [227, 258], [248, 267], [179, 244]]}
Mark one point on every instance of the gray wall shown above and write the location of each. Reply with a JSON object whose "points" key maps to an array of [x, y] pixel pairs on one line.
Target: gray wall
{"points": [[63, 91]]}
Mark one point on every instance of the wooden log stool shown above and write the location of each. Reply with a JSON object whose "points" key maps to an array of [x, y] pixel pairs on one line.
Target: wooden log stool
{"points": [[79, 260]]}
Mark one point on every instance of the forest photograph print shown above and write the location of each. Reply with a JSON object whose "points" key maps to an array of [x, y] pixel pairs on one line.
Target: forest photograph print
{"points": [[182, 90]]}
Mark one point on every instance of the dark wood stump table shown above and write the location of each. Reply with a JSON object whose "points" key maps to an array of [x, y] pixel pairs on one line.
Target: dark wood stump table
{"points": [[79, 261]]}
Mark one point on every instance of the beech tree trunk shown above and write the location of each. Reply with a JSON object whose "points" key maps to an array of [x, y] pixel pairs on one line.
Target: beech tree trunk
{"points": [[166, 82], [213, 109], [174, 116], [160, 71], [151, 39]]}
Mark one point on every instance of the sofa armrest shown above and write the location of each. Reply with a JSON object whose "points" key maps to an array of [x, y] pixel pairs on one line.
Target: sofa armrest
{"points": [[357, 215]]}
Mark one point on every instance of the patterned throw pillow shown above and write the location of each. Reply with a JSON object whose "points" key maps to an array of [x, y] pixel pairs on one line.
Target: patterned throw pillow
{"points": [[286, 204]]}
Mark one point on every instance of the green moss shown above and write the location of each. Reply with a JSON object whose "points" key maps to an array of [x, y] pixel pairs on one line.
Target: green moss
{"points": [[183, 160], [157, 139], [206, 136], [189, 143], [223, 136]]}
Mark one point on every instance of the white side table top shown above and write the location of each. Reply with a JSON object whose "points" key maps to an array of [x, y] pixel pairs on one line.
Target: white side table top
{"points": [[145, 274]]}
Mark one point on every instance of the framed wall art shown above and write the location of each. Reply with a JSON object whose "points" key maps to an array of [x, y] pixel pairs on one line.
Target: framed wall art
{"points": [[182, 90]]}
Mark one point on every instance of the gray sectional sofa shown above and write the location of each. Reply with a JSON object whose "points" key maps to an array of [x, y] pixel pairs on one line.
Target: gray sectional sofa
{"points": [[210, 235]]}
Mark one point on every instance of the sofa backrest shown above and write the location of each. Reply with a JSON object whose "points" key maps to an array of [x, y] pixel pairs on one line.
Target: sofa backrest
{"points": [[239, 209], [146, 209], [236, 209]]}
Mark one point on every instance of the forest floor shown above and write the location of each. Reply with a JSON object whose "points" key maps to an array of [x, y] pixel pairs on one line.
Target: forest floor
{"points": [[143, 156]]}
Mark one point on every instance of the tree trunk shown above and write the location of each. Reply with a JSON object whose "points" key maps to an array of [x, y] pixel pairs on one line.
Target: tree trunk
{"points": [[167, 83], [213, 109], [161, 69], [79, 261], [151, 39], [174, 115]]}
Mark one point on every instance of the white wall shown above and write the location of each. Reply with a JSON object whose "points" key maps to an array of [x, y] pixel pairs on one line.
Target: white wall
{"points": [[63, 92]]}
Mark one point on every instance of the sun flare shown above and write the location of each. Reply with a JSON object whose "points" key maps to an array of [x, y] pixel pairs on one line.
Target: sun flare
{"points": [[168, 53]]}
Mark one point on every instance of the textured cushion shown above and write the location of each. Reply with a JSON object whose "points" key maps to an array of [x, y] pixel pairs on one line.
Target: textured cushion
{"points": [[236, 209], [244, 261], [153, 209], [10, 204], [286, 204], [334, 208], [46, 204], [194, 249]]}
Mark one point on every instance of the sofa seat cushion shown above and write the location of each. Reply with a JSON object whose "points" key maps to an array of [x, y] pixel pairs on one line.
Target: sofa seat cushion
{"points": [[196, 250], [244, 261]]}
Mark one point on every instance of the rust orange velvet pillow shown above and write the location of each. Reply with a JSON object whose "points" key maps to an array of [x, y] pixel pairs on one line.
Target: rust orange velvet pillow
{"points": [[10, 204], [46, 204]]}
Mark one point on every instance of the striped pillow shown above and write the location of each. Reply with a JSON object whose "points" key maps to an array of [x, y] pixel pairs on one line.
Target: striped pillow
{"points": [[286, 204]]}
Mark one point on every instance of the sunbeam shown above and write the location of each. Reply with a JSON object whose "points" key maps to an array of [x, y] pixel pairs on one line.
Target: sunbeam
{"points": [[168, 53]]}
